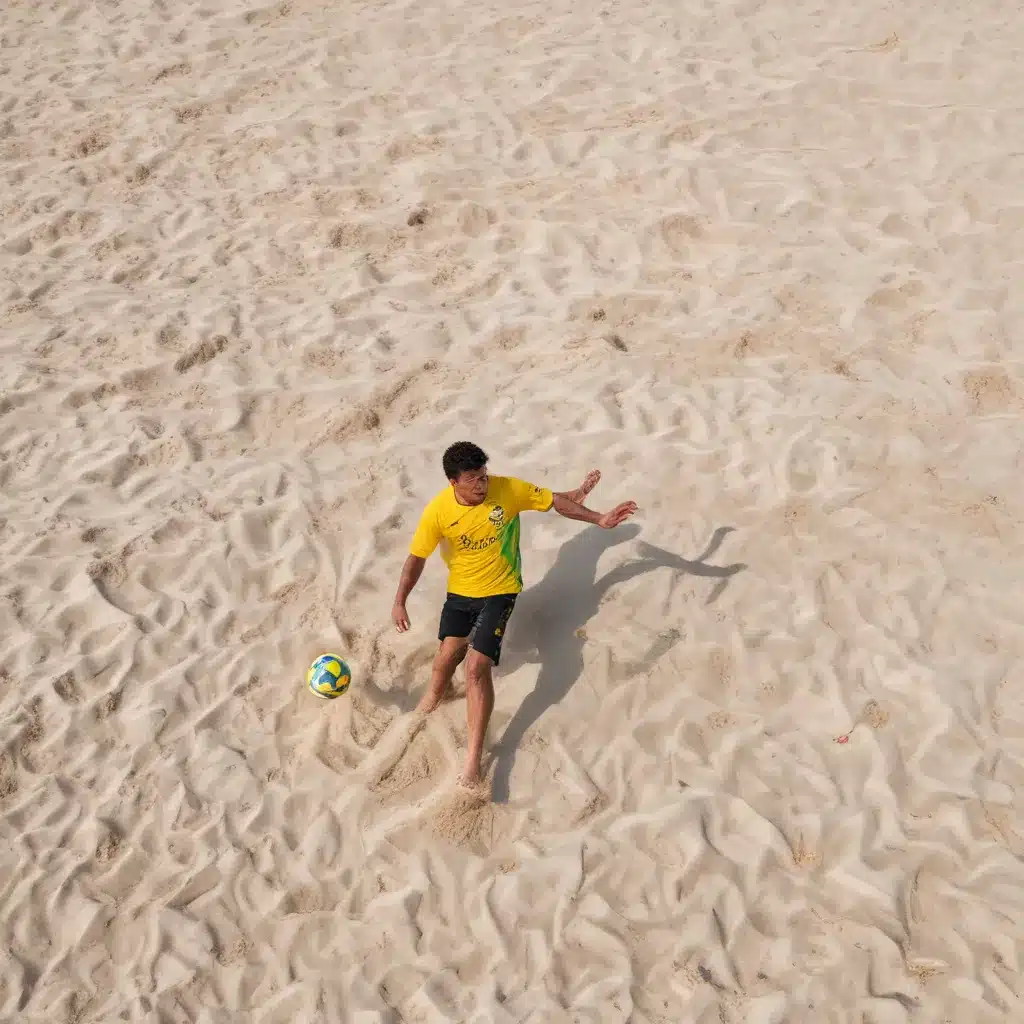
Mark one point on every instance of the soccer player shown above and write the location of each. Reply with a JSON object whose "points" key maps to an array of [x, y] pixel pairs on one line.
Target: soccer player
{"points": [[476, 521]]}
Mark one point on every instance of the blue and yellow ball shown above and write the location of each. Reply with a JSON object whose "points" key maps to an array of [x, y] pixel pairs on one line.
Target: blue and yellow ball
{"points": [[328, 676]]}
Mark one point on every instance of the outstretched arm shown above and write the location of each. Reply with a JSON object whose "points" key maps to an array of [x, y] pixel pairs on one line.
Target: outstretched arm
{"points": [[411, 572], [565, 506]]}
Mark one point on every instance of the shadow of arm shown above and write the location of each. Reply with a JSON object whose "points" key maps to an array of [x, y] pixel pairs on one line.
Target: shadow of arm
{"points": [[657, 558]]}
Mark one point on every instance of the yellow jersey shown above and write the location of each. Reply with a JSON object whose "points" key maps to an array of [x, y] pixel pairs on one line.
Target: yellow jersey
{"points": [[480, 543]]}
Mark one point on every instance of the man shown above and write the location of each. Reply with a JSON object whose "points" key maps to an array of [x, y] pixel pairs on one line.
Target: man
{"points": [[476, 521]]}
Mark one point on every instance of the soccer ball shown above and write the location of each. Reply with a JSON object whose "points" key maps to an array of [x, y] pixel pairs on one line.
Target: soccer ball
{"points": [[328, 676]]}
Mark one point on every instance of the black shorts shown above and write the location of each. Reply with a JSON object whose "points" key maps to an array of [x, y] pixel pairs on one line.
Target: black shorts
{"points": [[481, 619]]}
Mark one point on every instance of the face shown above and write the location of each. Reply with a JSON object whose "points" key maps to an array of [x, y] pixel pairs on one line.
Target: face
{"points": [[471, 486]]}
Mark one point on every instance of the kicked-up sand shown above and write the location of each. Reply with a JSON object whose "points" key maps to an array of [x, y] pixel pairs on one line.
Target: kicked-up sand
{"points": [[756, 758]]}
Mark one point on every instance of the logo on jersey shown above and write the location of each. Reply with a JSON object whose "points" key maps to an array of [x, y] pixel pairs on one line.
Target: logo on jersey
{"points": [[468, 544], [497, 516]]}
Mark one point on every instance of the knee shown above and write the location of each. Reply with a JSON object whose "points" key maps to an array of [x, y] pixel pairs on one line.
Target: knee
{"points": [[450, 653], [478, 672]]}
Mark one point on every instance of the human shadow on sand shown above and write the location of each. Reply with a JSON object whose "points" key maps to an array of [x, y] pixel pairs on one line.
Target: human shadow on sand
{"points": [[549, 615]]}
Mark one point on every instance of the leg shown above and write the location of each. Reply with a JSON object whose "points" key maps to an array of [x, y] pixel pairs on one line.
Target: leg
{"points": [[485, 652], [479, 704], [458, 616], [448, 658]]}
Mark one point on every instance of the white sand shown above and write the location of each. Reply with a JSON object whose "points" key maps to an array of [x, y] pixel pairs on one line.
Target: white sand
{"points": [[760, 263]]}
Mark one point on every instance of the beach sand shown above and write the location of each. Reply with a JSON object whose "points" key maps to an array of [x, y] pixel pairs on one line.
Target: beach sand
{"points": [[757, 757]]}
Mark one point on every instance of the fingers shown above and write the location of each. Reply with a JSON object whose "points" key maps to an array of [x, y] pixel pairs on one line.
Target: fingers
{"points": [[590, 481], [622, 512], [618, 515]]}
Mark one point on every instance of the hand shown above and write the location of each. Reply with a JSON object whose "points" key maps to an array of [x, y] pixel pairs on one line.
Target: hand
{"points": [[400, 617], [618, 515], [590, 481]]}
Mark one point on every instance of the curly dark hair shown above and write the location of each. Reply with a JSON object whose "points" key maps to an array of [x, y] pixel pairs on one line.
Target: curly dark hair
{"points": [[462, 457]]}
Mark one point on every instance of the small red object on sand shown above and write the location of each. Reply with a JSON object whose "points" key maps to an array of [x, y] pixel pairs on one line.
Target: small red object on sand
{"points": [[843, 739]]}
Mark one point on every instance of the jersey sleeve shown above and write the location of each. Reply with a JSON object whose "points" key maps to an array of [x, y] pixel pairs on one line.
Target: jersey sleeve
{"points": [[527, 497], [427, 535]]}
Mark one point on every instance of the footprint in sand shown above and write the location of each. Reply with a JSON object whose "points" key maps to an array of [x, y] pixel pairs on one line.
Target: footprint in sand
{"points": [[406, 761]]}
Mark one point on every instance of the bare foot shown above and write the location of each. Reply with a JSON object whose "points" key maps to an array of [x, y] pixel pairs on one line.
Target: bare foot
{"points": [[590, 481], [475, 784], [475, 775]]}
